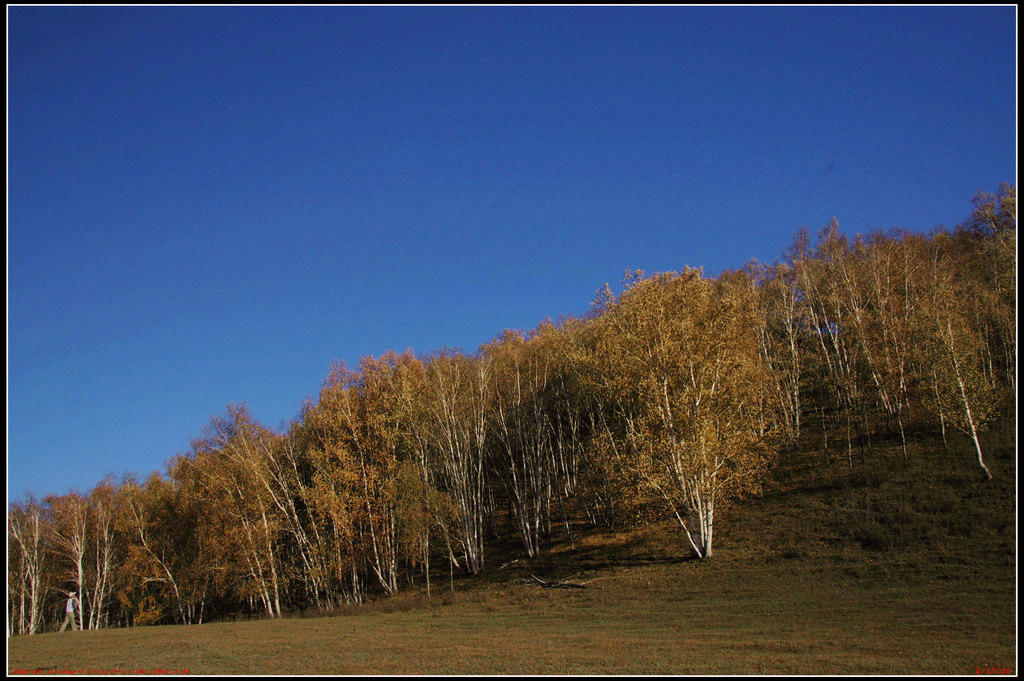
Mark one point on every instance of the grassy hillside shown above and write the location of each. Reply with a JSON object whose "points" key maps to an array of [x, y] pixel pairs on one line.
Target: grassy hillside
{"points": [[893, 568]]}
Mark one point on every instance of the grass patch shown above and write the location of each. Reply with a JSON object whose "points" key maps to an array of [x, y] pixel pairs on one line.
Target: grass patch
{"points": [[891, 569]]}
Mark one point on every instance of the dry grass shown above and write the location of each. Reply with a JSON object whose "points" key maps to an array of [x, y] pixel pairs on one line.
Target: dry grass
{"points": [[800, 584]]}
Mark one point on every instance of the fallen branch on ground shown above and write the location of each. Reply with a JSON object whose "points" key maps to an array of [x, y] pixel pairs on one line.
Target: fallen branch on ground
{"points": [[560, 585]]}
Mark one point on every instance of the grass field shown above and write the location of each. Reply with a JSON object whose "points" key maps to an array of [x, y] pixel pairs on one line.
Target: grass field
{"points": [[891, 569]]}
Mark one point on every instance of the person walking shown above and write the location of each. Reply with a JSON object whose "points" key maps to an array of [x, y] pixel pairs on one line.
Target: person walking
{"points": [[69, 618]]}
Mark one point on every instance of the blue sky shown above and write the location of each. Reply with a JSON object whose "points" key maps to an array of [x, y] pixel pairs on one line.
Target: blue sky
{"points": [[210, 205]]}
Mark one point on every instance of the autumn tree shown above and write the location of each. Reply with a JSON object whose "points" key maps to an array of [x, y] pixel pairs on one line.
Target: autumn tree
{"points": [[26, 562], [588, 402], [880, 293], [106, 549], [363, 430], [456, 398], [165, 565], [957, 350], [284, 473], [778, 318], [568, 405], [383, 442], [684, 363], [425, 512], [523, 429], [333, 503], [822, 279], [235, 485], [987, 242], [68, 536]]}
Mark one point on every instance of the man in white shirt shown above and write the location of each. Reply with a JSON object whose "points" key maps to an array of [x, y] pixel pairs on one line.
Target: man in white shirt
{"points": [[69, 618]]}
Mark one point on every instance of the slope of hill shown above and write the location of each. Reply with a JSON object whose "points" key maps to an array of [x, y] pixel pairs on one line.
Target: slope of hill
{"points": [[892, 568]]}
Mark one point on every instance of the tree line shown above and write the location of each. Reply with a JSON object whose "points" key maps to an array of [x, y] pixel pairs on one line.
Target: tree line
{"points": [[671, 399]]}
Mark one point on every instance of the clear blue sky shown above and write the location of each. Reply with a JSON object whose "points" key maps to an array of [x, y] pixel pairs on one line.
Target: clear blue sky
{"points": [[209, 205]]}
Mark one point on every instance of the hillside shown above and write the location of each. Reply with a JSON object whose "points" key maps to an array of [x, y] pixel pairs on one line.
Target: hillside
{"points": [[679, 396], [892, 569]]}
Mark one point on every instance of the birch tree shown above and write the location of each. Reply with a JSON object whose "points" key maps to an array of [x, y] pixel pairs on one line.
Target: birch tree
{"points": [[68, 535], [778, 318], [987, 240], [687, 349], [523, 431], [821, 282], [334, 508], [957, 351], [235, 487], [363, 425], [879, 276], [164, 559], [456, 396], [26, 561], [105, 548]]}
